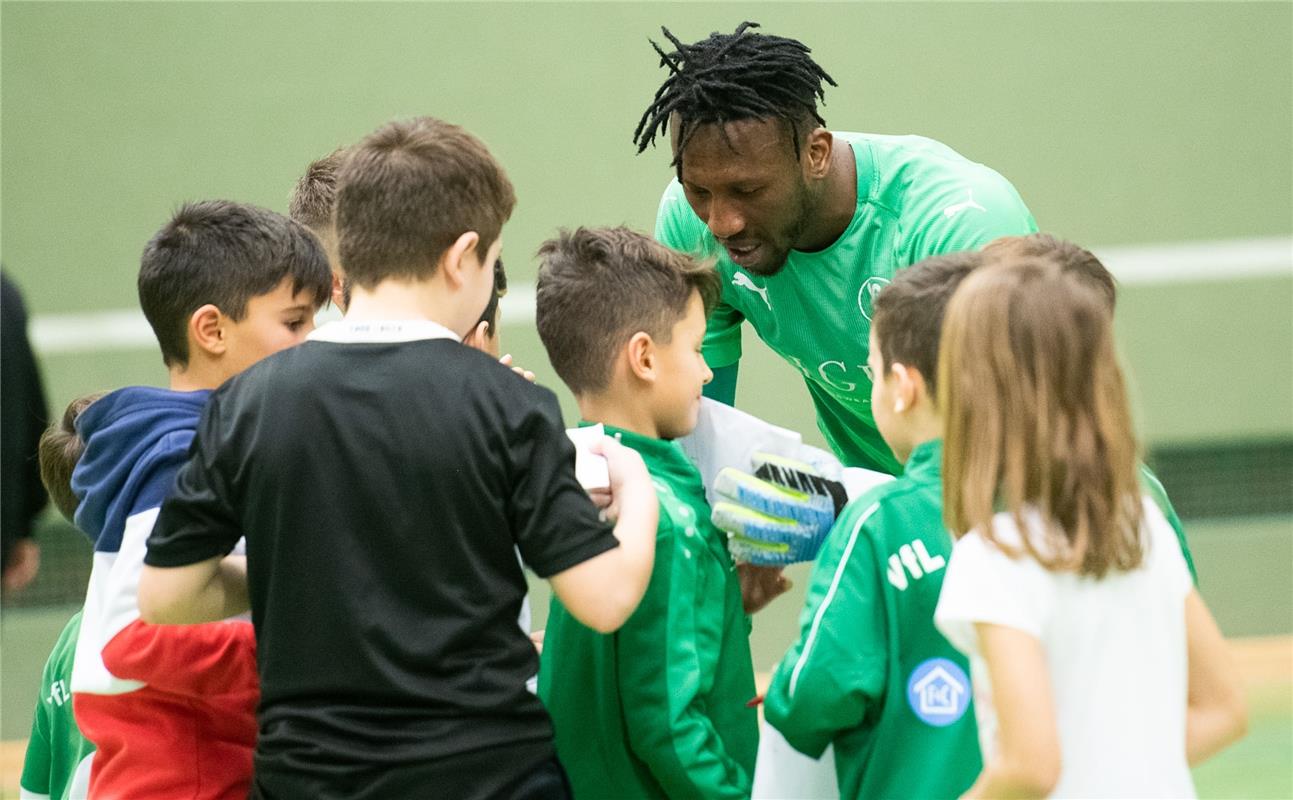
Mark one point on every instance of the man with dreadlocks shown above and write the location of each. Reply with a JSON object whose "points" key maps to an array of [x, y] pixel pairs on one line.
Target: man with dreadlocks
{"points": [[807, 225]]}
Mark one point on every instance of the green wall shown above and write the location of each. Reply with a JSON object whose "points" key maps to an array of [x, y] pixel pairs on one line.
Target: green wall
{"points": [[1119, 123]]}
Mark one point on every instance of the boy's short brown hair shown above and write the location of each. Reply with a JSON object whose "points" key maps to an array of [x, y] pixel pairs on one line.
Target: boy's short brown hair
{"points": [[1071, 258], [314, 198], [59, 450], [408, 191], [908, 313], [599, 286]]}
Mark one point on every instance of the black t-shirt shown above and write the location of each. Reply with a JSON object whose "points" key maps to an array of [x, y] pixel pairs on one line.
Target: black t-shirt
{"points": [[384, 489]]}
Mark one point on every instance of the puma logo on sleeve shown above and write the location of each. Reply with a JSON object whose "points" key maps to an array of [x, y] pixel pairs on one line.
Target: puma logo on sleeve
{"points": [[744, 281], [957, 208]]}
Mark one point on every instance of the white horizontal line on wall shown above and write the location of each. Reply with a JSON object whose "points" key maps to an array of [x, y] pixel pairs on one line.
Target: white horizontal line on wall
{"points": [[1222, 260]]}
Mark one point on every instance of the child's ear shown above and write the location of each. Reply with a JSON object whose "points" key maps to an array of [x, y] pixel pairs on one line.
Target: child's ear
{"points": [[640, 352], [206, 330], [478, 337], [909, 387], [455, 258]]}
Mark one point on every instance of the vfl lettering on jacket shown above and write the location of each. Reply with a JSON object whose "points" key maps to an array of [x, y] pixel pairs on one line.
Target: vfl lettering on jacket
{"points": [[912, 558]]}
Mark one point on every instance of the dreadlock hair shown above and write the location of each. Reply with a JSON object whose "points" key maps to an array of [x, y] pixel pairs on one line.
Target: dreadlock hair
{"points": [[731, 77]]}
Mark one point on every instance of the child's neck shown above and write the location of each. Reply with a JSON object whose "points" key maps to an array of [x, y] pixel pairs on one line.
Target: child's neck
{"points": [[404, 300], [609, 409], [194, 377], [924, 427]]}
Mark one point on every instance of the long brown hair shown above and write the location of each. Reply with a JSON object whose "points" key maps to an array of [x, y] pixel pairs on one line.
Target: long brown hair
{"points": [[1036, 416]]}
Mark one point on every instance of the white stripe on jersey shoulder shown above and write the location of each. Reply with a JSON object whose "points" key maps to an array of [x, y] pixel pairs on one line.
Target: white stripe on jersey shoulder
{"points": [[111, 603], [830, 595], [345, 331]]}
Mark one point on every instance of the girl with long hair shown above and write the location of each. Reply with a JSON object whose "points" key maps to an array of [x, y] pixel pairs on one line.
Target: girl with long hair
{"points": [[1097, 669]]}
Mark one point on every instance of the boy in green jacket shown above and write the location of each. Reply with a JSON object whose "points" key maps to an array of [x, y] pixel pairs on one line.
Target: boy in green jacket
{"points": [[870, 673], [660, 708]]}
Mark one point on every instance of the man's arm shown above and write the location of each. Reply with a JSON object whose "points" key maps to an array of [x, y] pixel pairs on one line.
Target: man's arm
{"points": [[723, 386], [829, 678]]}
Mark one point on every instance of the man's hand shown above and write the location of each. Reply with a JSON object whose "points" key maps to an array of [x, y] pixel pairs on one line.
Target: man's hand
{"points": [[760, 585]]}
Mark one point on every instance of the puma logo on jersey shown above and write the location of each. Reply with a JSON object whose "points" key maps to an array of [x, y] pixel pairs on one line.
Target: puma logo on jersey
{"points": [[913, 559], [957, 208], [744, 281]]}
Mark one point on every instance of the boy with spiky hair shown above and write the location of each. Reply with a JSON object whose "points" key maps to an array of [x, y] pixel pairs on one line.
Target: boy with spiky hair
{"points": [[870, 674], [383, 507], [313, 203], [659, 708], [172, 710], [57, 763]]}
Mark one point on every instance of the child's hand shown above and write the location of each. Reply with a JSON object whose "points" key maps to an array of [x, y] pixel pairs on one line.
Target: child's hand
{"points": [[761, 585], [536, 638], [524, 373], [626, 471]]}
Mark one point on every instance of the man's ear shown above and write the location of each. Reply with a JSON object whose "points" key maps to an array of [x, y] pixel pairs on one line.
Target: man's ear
{"points": [[909, 387], [640, 353], [453, 261], [206, 330], [817, 153]]}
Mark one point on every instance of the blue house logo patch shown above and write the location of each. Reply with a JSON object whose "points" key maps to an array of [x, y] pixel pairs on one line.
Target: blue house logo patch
{"points": [[939, 692]]}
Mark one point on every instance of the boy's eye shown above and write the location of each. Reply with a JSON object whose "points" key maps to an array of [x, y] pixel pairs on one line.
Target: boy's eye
{"points": [[295, 324]]}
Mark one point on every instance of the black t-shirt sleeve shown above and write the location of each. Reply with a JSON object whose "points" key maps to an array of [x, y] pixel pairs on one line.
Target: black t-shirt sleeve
{"points": [[555, 524], [197, 521]]}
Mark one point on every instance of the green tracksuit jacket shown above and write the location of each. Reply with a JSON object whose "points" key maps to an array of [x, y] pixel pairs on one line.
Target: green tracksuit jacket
{"points": [[870, 673], [659, 708]]}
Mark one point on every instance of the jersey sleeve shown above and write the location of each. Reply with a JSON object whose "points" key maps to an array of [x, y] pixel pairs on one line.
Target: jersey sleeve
{"points": [[836, 670], [1150, 484], [663, 677], [555, 524], [197, 520], [966, 213], [38, 761], [985, 585], [678, 228]]}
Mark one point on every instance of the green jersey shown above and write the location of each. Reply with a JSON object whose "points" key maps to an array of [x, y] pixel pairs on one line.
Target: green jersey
{"points": [[660, 708], [57, 764], [870, 673], [915, 198]]}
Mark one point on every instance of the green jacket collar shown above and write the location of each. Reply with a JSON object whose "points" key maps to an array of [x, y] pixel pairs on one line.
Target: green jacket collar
{"points": [[663, 458], [925, 464]]}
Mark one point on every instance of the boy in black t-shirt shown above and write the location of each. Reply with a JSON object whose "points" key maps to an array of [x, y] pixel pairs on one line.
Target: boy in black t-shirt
{"points": [[382, 507]]}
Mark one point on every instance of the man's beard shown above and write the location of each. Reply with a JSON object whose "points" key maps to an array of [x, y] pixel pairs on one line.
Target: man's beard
{"points": [[805, 208]]}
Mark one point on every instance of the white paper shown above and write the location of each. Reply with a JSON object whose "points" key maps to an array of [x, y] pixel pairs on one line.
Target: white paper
{"points": [[590, 468]]}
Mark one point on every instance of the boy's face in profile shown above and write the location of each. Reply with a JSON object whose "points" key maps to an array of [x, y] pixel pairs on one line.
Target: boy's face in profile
{"points": [[274, 321], [683, 372]]}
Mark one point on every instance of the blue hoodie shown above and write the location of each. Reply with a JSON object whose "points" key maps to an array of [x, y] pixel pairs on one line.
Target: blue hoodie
{"points": [[136, 440]]}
